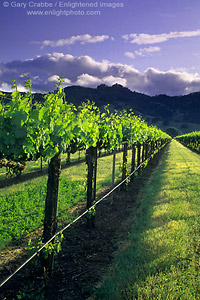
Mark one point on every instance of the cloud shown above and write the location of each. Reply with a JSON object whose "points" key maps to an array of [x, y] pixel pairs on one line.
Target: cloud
{"points": [[147, 51], [170, 82], [130, 54], [110, 80], [55, 79], [144, 38], [142, 52], [83, 39], [88, 80], [85, 71]]}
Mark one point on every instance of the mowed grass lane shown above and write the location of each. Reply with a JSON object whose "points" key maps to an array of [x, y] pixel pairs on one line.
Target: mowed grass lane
{"points": [[161, 257]]}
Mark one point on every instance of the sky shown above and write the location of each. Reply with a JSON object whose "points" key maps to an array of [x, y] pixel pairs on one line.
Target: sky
{"points": [[148, 46]]}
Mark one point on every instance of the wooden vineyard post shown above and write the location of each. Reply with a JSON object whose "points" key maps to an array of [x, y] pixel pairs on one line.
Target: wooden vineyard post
{"points": [[159, 144], [90, 161], [133, 159], [95, 174], [124, 167], [143, 151], [143, 154], [138, 156], [146, 150], [152, 147], [156, 147], [68, 157], [41, 164], [113, 173], [51, 204]]}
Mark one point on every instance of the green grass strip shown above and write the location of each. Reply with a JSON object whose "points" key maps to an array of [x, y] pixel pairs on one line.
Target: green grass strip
{"points": [[23, 211], [161, 257], [35, 165], [22, 205]]}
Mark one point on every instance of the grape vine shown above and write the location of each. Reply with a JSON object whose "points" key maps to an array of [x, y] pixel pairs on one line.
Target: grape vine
{"points": [[46, 130], [190, 140]]}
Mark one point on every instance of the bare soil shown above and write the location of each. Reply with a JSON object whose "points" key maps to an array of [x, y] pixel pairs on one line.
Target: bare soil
{"points": [[86, 254]]}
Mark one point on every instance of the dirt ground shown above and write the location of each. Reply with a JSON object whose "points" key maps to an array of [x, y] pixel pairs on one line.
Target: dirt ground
{"points": [[86, 254]]}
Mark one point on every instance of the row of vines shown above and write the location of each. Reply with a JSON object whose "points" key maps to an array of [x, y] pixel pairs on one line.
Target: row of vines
{"points": [[190, 140], [30, 130]]}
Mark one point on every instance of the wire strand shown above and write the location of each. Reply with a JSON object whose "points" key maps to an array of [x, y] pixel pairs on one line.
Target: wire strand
{"points": [[74, 221]]}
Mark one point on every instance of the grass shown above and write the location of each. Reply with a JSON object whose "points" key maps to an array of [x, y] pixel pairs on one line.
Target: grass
{"points": [[23, 211], [104, 170], [161, 257], [22, 205], [35, 165]]}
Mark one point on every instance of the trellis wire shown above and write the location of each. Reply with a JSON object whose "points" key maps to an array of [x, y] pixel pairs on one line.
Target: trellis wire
{"points": [[70, 224]]}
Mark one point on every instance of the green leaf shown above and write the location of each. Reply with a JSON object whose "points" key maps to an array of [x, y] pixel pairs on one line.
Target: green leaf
{"points": [[20, 132], [19, 117]]}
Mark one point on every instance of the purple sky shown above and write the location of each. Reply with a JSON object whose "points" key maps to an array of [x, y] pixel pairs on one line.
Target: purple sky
{"points": [[150, 46]]}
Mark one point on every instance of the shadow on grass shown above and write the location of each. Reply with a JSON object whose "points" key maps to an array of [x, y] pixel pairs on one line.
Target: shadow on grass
{"points": [[144, 254]]}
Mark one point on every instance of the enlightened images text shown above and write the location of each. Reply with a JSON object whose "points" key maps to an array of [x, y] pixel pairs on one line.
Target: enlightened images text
{"points": [[62, 4]]}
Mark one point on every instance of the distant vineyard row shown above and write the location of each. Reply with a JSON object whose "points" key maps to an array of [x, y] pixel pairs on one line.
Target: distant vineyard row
{"points": [[190, 140]]}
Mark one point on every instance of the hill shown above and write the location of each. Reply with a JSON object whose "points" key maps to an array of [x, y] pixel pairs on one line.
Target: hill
{"points": [[182, 112], [178, 108], [164, 111]]}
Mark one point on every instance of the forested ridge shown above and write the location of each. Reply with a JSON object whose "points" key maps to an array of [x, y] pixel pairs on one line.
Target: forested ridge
{"points": [[180, 109]]}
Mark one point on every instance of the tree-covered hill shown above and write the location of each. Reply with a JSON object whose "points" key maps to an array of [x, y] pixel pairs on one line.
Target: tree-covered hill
{"points": [[155, 109]]}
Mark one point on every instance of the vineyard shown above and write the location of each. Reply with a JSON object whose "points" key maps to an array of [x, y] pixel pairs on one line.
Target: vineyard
{"points": [[160, 257], [30, 131], [19, 216], [116, 146], [190, 140]]}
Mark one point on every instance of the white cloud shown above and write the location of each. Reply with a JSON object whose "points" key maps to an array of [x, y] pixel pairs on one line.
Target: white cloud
{"points": [[5, 87], [24, 74], [83, 39], [147, 51], [55, 56], [142, 52], [88, 80], [144, 38], [130, 54], [126, 37], [55, 78], [110, 80], [170, 82], [85, 71]]}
